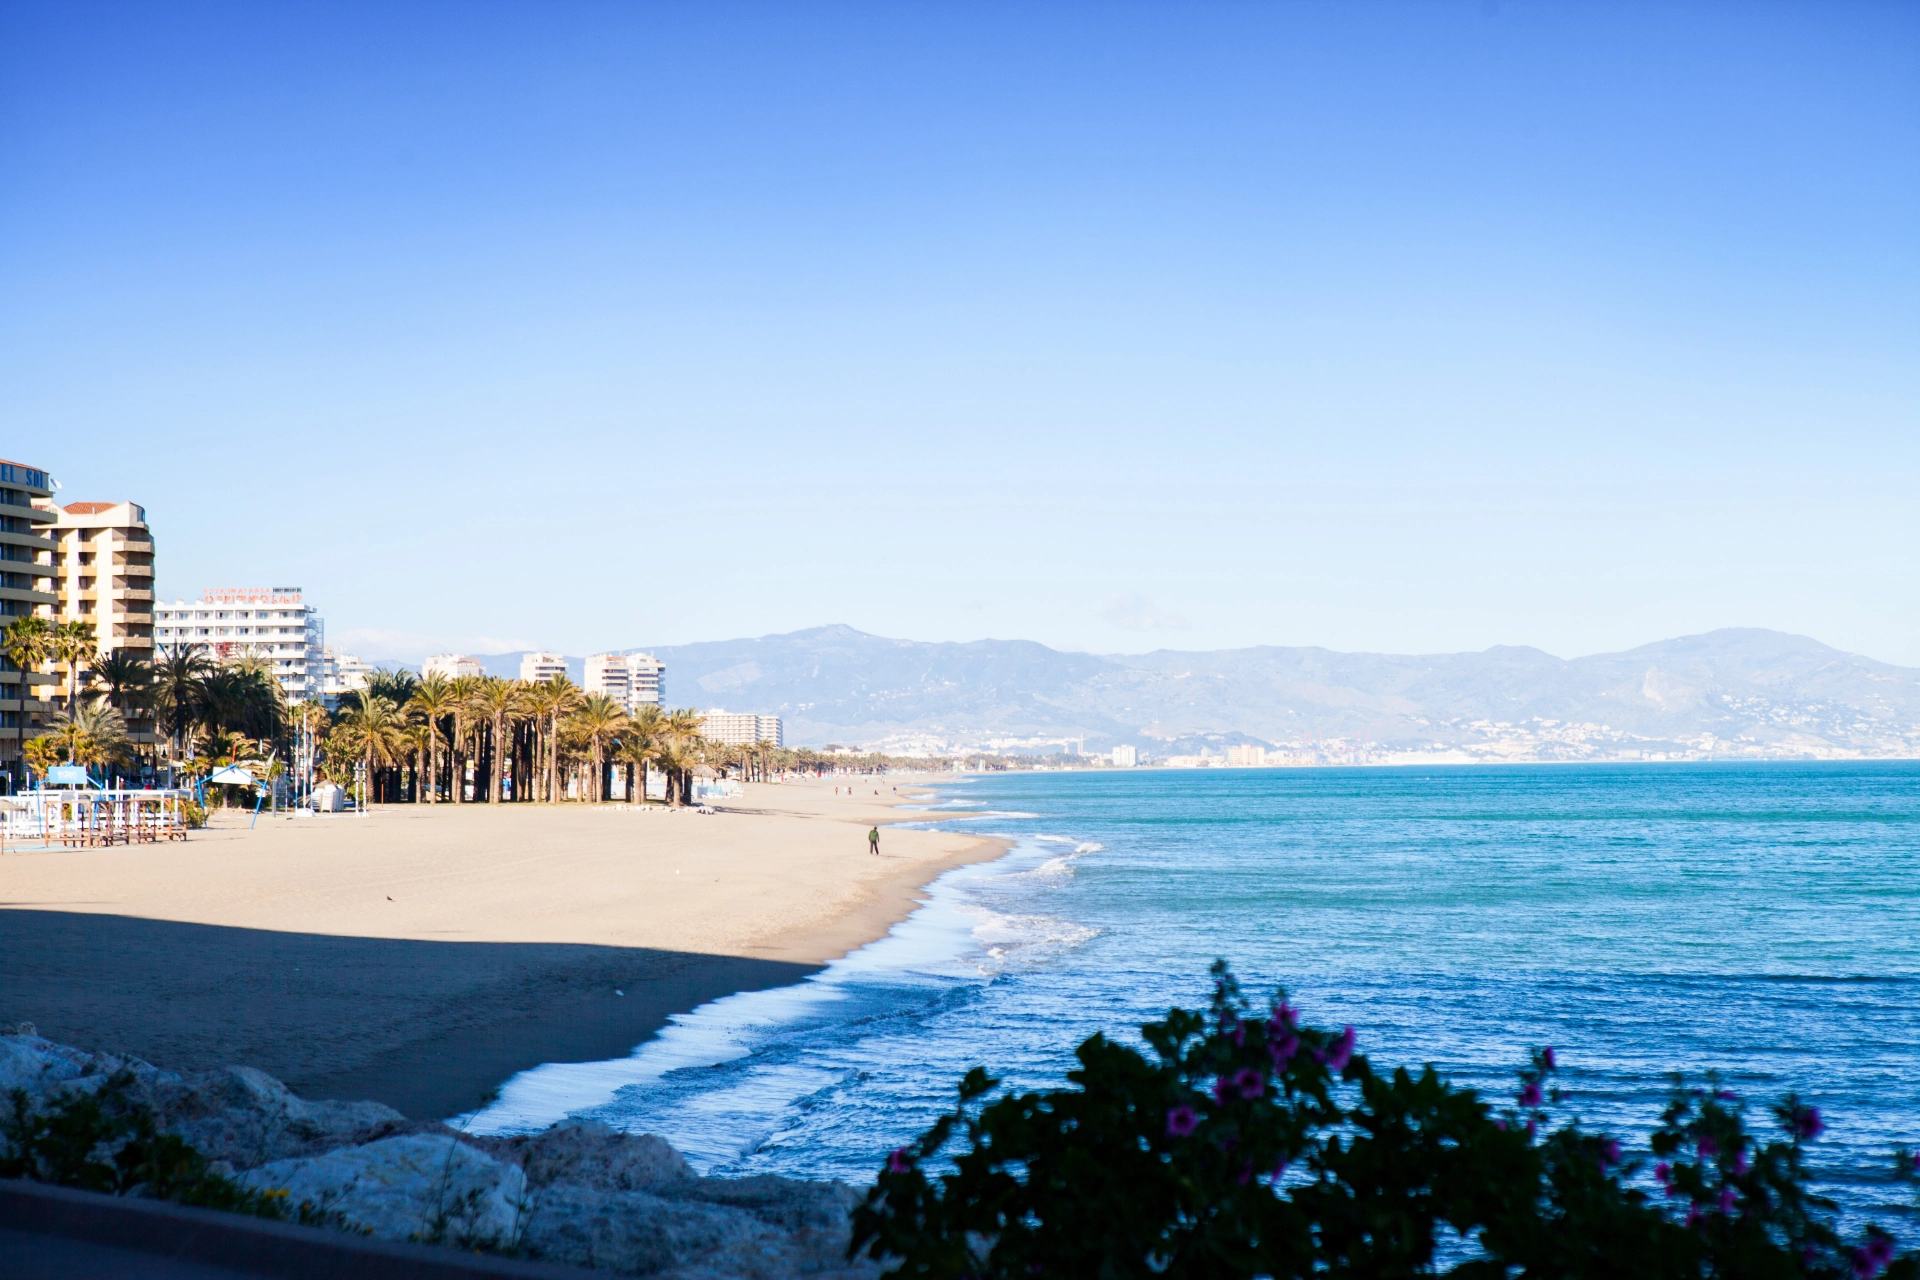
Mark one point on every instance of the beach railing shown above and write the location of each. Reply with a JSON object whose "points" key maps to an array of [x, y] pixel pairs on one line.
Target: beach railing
{"points": [[77, 819]]}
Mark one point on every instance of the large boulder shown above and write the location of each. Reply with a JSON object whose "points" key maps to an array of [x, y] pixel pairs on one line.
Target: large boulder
{"points": [[588, 1153], [43, 1068], [687, 1233], [246, 1117], [428, 1187]]}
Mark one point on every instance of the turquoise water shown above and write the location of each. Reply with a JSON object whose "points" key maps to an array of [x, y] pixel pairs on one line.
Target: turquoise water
{"points": [[1763, 920]]}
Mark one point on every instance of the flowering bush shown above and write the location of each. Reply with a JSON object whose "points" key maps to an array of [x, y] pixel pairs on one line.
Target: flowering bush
{"points": [[1252, 1145]]}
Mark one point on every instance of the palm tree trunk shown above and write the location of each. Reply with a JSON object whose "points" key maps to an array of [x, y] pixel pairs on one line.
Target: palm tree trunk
{"points": [[496, 774]]}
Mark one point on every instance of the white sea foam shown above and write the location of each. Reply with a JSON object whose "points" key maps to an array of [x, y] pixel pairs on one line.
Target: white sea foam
{"points": [[951, 938]]}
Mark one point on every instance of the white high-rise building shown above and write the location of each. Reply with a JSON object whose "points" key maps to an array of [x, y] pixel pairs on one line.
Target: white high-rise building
{"points": [[340, 673], [1248, 757], [735, 728], [1125, 757], [538, 668], [272, 622], [633, 680], [648, 677], [451, 666]]}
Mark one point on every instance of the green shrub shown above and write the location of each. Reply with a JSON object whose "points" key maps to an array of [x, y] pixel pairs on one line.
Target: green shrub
{"points": [[1250, 1145], [107, 1141]]}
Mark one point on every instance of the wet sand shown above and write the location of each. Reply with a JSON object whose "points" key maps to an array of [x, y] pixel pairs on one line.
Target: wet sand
{"points": [[421, 955]]}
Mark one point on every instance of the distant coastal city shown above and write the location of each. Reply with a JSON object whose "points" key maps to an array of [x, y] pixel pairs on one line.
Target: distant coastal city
{"points": [[98, 674]]}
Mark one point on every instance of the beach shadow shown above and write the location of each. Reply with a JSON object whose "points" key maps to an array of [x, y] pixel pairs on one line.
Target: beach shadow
{"points": [[429, 1028]]}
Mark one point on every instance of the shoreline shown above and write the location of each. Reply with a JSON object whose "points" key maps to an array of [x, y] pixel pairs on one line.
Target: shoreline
{"points": [[423, 957]]}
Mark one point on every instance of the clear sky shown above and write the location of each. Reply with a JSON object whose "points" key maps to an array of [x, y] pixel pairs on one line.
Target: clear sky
{"points": [[1404, 327]]}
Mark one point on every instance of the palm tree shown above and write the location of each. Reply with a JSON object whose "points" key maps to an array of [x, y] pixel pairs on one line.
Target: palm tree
{"points": [[179, 683], [127, 676], [464, 689], [547, 702], [72, 643], [374, 731], [597, 720], [93, 734], [649, 730], [420, 740], [498, 702], [433, 699], [28, 642], [243, 696], [395, 684], [682, 729], [639, 750]]}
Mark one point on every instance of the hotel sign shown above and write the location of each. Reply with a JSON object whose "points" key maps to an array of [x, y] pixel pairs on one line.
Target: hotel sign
{"points": [[250, 595]]}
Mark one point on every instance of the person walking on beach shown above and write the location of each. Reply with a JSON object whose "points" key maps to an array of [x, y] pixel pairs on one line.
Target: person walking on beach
{"points": [[873, 841]]}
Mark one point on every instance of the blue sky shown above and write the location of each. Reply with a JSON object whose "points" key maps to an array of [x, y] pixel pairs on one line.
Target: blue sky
{"points": [[1406, 327]]}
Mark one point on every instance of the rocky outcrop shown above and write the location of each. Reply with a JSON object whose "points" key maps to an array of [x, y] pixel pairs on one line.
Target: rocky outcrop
{"points": [[423, 1186], [579, 1193]]}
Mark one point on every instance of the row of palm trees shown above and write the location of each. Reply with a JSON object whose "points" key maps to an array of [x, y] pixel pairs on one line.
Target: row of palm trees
{"points": [[201, 708], [500, 738]]}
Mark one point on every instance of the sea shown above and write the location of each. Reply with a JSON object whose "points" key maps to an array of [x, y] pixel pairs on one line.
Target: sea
{"points": [[1758, 920]]}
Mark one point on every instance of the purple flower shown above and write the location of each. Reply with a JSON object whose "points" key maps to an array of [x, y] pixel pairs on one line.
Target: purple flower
{"points": [[1726, 1095], [1220, 1088], [1501, 1125], [1807, 1123], [898, 1161], [1250, 1082], [1609, 1153], [1740, 1165], [1663, 1173], [1873, 1259], [1182, 1121], [1239, 1032], [1546, 1056], [1707, 1147], [1340, 1052], [1279, 1169], [1532, 1128], [1282, 1049], [1282, 1019], [1726, 1202], [1530, 1096]]}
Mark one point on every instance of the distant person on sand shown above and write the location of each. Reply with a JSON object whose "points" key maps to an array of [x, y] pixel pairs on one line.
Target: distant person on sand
{"points": [[873, 841]]}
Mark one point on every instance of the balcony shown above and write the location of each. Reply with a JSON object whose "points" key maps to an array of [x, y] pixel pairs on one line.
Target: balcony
{"points": [[33, 541]]}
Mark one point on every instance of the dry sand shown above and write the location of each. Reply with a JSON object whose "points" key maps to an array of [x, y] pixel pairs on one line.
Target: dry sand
{"points": [[420, 955]]}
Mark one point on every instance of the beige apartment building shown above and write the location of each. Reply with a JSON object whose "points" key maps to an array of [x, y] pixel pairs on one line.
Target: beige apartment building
{"points": [[26, 589], [737, 728], [103, 576]]}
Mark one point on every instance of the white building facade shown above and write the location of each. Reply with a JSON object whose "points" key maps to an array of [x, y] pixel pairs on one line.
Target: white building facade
{"points": [[1125, 757], [272, 622], [451, 666], [734, 728], [538, 668], [633, 680]]}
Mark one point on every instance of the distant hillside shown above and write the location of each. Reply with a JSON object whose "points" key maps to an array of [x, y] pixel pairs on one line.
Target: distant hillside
{"points": [[1730, 692]]}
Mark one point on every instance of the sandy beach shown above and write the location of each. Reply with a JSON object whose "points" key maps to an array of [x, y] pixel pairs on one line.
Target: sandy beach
{"points": [[420, 955]]}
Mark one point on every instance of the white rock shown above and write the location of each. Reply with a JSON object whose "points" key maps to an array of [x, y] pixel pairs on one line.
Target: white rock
{"points": [[246, 1117], [426, 1187], [41, 1067]]}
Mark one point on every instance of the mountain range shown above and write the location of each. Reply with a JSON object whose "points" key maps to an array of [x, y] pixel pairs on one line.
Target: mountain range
{"points": [[1728, 693]]}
